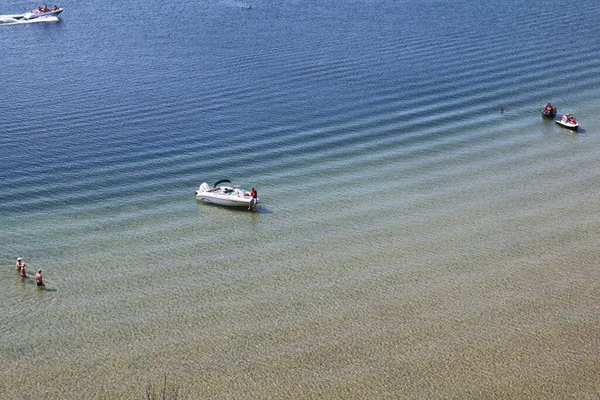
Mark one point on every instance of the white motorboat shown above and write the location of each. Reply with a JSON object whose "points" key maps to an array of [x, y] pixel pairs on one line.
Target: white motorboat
{"points": [[43, 12], [40, 12], [225, 194], [568, 121]]}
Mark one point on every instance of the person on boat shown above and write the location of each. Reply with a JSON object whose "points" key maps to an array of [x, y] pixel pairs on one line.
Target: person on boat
{"points": [[253, 199], [19, 264], [38, 279], [23, 272]]}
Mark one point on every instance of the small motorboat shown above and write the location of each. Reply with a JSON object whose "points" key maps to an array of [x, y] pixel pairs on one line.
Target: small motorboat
{"points": [[568, 121], [549, 111], [225, 194], [40, 12]]}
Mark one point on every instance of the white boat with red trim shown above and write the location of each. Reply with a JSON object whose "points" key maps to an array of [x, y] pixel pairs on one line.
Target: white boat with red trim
{"points": [[568, 121], [40, 12]]}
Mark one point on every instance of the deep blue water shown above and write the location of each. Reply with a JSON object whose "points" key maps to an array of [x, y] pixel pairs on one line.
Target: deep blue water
{"points": [[397, 201]]}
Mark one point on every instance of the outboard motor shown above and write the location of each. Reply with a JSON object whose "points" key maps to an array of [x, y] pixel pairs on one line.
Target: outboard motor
{"points": [[205, 187]]}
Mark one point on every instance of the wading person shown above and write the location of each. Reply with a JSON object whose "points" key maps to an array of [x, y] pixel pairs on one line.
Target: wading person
{"points": [[38, 279], [253, 199]]}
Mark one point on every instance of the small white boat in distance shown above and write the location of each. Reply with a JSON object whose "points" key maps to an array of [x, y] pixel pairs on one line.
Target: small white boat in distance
{"points": [[225, 194], [40, 12], [568, 121]]}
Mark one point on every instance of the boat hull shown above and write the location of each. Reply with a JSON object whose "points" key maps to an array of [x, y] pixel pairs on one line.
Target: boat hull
{"points": [[224, 201], [549, 114], [573, 127]]}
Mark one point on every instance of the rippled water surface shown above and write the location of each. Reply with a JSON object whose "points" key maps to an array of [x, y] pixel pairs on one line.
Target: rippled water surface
{"points": [[413, 241]]}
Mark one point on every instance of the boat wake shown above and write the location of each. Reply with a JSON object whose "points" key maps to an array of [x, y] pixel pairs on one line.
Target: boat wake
{"points": [[11, 20]]}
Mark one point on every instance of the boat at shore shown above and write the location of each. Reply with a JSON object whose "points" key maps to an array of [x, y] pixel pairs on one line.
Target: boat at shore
{"points": [[225, 194], [40, 12], [568, 121], [549, 111]]}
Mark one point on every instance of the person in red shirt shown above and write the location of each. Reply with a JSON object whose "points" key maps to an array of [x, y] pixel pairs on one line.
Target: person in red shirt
{"points": [[253, 199]]}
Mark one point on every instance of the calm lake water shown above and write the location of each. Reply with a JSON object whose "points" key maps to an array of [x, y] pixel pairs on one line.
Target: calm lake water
{"points": [[413, 241]]}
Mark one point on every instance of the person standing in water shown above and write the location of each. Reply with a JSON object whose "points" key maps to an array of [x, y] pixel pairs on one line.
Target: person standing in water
{"points": [[253, 199], [38, 279], [19, 264], [23, 272]]}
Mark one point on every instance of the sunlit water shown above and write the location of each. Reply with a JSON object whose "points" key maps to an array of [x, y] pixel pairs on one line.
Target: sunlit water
{"points": [[412, 242]]}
